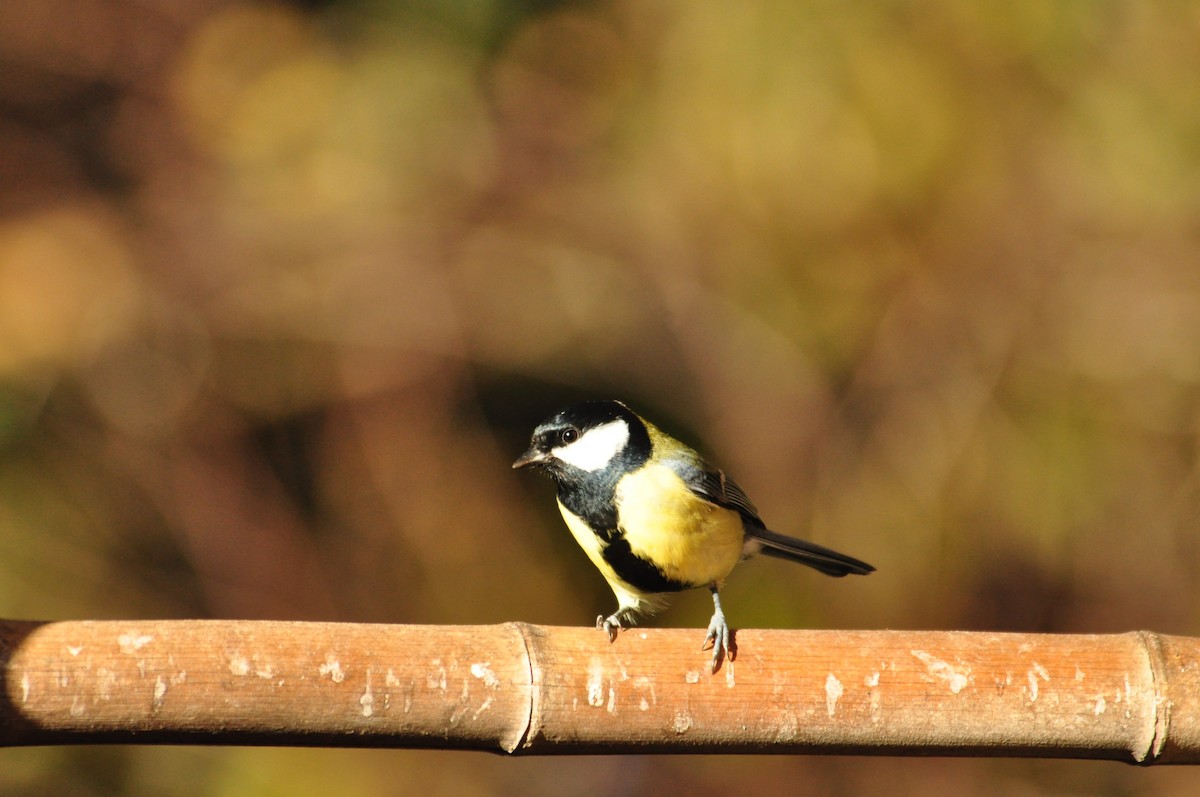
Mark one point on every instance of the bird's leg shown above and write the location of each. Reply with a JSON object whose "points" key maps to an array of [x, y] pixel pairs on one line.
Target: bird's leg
{"points": [[718, 633], [612, 623]]}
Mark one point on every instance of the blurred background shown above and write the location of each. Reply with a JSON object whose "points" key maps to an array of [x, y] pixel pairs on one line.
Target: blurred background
{"points": [[284, 287]]}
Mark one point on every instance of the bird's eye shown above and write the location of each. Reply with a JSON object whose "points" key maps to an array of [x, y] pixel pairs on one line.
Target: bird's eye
{"points": [[570, 435]]}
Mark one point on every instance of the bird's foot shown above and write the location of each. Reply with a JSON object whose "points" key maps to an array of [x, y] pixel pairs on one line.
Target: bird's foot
{"points": [[720, 638], [610, 625]]}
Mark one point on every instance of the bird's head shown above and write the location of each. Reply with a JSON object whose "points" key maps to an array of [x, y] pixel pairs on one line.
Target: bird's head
{"points": [[593, 437]]}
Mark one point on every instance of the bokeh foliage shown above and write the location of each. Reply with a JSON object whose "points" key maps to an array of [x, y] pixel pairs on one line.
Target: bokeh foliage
{"points": [[284, 287]]}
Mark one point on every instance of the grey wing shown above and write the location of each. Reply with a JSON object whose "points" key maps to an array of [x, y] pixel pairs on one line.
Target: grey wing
{"points": [[713, 485], [736, 498]]}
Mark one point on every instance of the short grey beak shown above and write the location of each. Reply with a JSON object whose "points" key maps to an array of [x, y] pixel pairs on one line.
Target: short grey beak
{"points": [[531, 457]]}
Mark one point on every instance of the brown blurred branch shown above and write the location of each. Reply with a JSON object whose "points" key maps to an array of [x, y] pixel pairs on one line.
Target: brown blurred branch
{"points": [[531, 689]]}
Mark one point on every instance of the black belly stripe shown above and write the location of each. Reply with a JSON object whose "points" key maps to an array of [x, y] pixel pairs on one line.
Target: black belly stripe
{"points": [[639, 573]]}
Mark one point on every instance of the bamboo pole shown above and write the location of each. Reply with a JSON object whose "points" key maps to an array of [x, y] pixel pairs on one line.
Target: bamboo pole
{"points": [[519, 688]]}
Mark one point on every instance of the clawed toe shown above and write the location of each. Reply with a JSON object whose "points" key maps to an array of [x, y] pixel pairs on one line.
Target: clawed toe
{"points": [[610, 625], [719, 638]]}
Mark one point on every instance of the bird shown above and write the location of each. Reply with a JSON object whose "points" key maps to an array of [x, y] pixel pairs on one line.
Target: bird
{"points": [[654, 516]]}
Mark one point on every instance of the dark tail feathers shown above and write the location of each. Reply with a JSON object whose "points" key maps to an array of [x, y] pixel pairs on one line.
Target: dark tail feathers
{"points": [[829, 562]]}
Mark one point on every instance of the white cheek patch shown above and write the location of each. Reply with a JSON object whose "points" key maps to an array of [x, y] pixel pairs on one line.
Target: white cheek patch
{"points": [[596, 447]]}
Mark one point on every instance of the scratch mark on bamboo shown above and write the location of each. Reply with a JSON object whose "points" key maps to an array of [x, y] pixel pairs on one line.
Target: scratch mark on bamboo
{"points": [[131, 643], [1036, 671], [645, 685], [595, 682], [333, 668], [957, 678], [106, 679], [484, 672], [437, 678], [238, 664], [833, 692], [875, 701], [160, 693], [367, 699]]}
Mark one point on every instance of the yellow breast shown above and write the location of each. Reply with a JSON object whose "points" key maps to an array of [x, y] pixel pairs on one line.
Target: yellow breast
{"points": [[690, 539]]}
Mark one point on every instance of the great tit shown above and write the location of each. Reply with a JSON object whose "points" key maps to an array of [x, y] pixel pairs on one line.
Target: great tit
{"points": [[653, 516]]}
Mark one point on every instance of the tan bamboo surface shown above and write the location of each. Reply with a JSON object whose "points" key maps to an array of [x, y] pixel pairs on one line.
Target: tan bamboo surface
{"points": [[527, 689]]}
